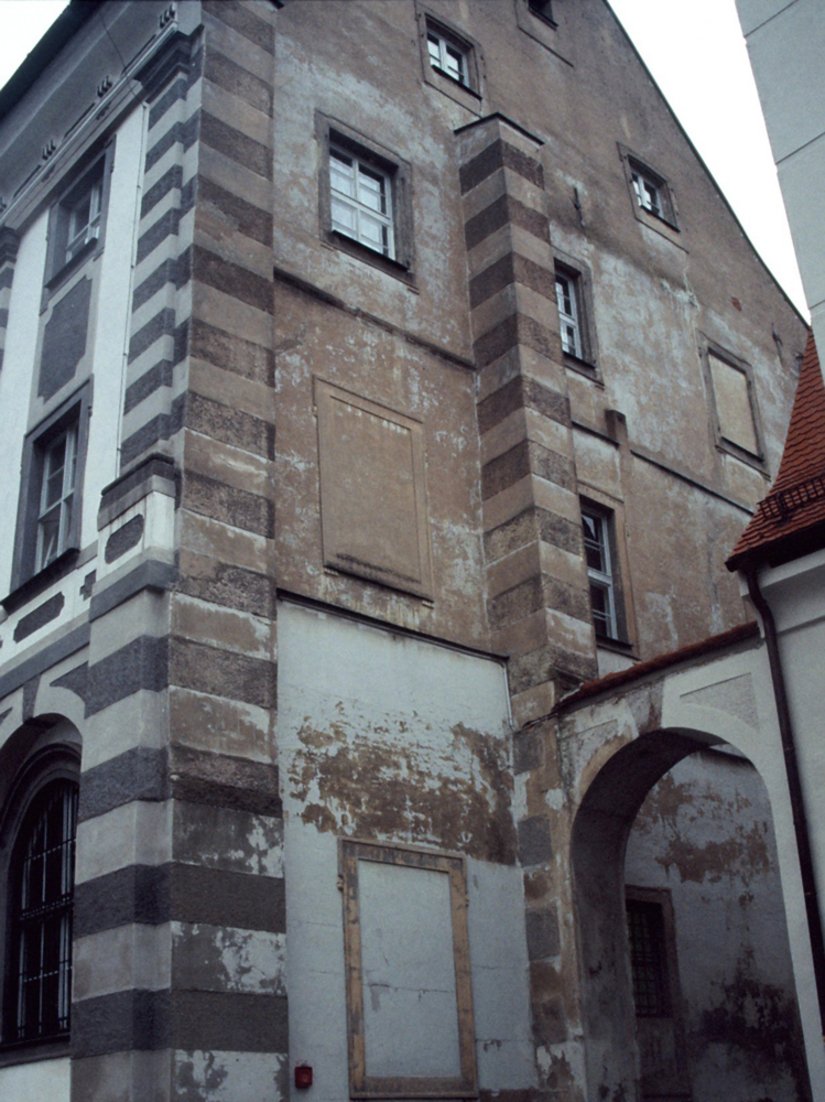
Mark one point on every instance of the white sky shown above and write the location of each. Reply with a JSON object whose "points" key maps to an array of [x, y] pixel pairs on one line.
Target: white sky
{"points": [[696, 54]]}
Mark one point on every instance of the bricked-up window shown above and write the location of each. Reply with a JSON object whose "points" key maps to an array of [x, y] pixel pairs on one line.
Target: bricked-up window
{"points": [[409, 1001], [41, 891], [600, 555], [648, 959], [734, 402]]}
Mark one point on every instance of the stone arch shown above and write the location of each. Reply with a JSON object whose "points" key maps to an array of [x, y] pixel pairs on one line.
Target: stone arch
{"points": [[601, 827]]}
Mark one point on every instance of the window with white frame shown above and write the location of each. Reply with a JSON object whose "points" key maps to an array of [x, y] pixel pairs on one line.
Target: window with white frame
{"points": [[41, 890], [568, 300], [76, 221], [448, 54], [83, 212], [58, 459], [361, 201], [601, 571], [48, 517], [648, 192]]}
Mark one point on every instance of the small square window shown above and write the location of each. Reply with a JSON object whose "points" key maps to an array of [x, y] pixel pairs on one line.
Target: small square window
{"points": [[448, 54], [648, 192], [737, 420], [543, 9], [364, 193], [602, 572], [361, 201], [652, 196]]}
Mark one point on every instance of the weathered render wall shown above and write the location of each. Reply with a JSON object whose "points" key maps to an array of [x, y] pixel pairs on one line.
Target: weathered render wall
{"points": [[387, 738], [705, 836]]}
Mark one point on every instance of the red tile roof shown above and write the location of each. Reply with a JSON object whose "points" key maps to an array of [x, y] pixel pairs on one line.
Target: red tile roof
{"points": [[692, 652], [794, 510]]}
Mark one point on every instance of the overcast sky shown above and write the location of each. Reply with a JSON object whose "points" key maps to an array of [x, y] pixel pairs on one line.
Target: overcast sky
{"points": [[696, 54]]}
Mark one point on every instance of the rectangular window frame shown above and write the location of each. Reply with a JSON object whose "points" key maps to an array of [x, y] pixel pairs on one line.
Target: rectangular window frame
{"points": [[361, 1085], [71, 416], [643, 182], [612, 628], [378, 163], [70, 245], [580, 285], [465, 88]]}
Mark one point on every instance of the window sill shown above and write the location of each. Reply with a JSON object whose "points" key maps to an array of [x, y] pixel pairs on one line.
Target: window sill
{"points": [[756, 462], [618, 646], [29, 1052], [396, 268], [35, 585], [583, 367], [65, 271]]}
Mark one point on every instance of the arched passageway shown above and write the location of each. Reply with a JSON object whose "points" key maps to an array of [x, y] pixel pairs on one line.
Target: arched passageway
{"points": [[736, 1026]]}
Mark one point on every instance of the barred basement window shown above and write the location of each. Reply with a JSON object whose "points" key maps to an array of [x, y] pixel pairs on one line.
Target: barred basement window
{"points": [[41, 894], [648, 959]]}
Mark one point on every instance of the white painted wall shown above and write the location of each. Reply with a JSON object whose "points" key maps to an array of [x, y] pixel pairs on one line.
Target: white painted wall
{"points": [[16, 380], [334, 674], [43, 1081]]}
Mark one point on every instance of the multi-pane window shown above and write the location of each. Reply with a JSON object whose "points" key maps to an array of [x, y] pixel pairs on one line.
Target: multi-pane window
{"points": [[448, 55], [648, 959], [41, 916], [361, 201], [600, 572], [570, 326], [648, 193], [82, 212], [57, 495]]}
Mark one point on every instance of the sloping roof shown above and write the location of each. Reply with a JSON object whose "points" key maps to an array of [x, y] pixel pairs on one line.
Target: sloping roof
{"points": [[791, 519]]}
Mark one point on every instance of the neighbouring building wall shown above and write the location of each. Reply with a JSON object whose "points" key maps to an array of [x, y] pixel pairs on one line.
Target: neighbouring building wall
{"points": [[785, 45]]}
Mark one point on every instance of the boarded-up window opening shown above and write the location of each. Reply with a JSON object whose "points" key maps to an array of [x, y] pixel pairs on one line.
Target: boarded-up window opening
{"points": [[410, 1015]]}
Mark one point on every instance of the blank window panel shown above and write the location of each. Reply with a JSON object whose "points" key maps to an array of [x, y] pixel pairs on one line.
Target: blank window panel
{"points": [[410, 1014], [733, 404], [374, 518]]}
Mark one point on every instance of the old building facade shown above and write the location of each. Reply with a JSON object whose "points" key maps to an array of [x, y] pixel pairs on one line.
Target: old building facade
{"points": [[375, 373]]}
